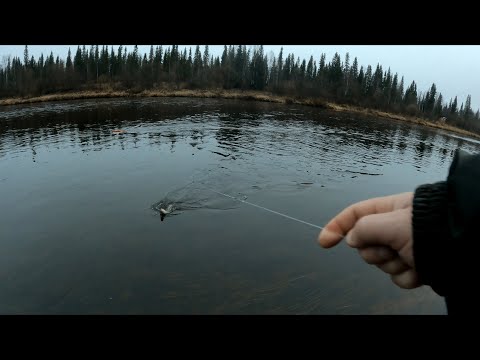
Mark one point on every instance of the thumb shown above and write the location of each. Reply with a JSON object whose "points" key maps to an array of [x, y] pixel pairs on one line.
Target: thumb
{"points": [[391, 229]]}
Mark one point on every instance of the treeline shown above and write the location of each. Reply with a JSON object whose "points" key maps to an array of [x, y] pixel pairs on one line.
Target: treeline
{"points": [[341, 81]]}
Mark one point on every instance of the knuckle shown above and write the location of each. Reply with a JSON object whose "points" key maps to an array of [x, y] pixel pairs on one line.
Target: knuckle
{"points": [[362, 224]]}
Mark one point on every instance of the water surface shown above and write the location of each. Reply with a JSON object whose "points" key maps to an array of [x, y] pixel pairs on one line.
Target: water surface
{"points": [[80, 230]]}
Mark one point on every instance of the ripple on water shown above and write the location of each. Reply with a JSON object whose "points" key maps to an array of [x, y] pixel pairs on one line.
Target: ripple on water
{"points": [[88, 187]]}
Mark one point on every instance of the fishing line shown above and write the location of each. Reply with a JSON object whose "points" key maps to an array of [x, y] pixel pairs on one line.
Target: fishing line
{"points": [[272, 211], [255, 205]]}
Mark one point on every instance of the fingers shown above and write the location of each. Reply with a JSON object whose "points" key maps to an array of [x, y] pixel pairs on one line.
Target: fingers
{"points": [[392, 229], [394, 267], [384, 258], [407, 280], [341, 224], [377, 255], [329, 238]]}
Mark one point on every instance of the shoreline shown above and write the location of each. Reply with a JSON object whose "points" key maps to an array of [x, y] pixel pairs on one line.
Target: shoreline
{"points": [[237, 95]]}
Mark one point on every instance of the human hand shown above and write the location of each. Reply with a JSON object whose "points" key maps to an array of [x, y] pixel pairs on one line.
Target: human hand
{"points": [[381, 230]]}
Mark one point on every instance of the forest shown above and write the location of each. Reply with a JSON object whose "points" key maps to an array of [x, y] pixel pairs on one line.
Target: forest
{"points": [[339, 80]]}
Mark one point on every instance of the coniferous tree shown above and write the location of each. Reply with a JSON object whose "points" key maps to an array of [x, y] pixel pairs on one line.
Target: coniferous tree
{"points": [[437, 111], [393, 91], [206, 56], [310, 69], [25, 56], [197, 61], [69, 63], [237, 67], [400, 90], [468, 108], [453, 107]]}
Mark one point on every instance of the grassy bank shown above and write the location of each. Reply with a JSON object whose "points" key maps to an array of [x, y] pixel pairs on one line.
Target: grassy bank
{"points": [[234, 94], [410, 119]]}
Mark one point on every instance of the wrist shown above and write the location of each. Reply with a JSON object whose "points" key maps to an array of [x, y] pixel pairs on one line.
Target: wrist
{"points": [[431, 235]]}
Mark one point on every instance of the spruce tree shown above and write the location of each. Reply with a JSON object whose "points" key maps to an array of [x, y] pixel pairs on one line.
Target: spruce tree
{"points": [[25, 56], [310, 68], [69, 60]]}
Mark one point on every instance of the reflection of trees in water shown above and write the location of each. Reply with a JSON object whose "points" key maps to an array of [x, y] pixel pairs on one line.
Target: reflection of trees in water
{"points": [[365, 136], [403, 136], [172, 137], [423, 147], [306, 135], [196, 137], [423, 143], [87, 128], [135, 140], [33, 138], [154, 138], [446, 141], [460, 144], [390, 137], [443, 153], [236, 129], [401, 146], [68, 124]]}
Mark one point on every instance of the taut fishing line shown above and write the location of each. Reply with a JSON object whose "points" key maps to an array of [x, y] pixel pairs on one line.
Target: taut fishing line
{"points": [[272, 211], [169, 205]]}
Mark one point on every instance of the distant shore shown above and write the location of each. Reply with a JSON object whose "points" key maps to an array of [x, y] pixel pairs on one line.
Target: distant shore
{"points": [[234, 94]]}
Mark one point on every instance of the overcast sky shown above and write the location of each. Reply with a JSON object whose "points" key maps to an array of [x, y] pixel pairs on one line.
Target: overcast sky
{"points": [[455, 69]]}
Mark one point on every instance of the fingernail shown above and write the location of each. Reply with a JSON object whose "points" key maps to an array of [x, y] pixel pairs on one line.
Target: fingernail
{"points": [[320, 236], [326, 238], [329, 232]]}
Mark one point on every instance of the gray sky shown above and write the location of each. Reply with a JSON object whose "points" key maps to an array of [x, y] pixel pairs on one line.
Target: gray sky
{"points": [[455, 69]]}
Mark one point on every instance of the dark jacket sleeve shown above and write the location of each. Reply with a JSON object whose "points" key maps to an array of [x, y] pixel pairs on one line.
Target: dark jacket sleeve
{"points": [[446, 216]]}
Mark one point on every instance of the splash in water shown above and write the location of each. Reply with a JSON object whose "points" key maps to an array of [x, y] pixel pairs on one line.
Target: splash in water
{"points": [[193, 196]]}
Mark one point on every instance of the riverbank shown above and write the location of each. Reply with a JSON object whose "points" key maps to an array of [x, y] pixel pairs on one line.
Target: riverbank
{"points": [[234, 94]]}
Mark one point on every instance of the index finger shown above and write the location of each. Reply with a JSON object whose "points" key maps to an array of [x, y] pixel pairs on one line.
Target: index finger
{"points": [[341, 224]]}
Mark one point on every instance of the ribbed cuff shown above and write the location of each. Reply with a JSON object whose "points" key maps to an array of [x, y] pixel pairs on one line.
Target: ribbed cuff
{"points": [[431, 235]]}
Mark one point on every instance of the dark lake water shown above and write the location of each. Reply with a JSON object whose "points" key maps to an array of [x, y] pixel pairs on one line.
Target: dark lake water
{"points": [[80, 230]]}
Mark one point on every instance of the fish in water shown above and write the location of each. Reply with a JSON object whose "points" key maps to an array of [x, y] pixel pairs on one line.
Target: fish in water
{"points": [[165, 212], [168, 210]]}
